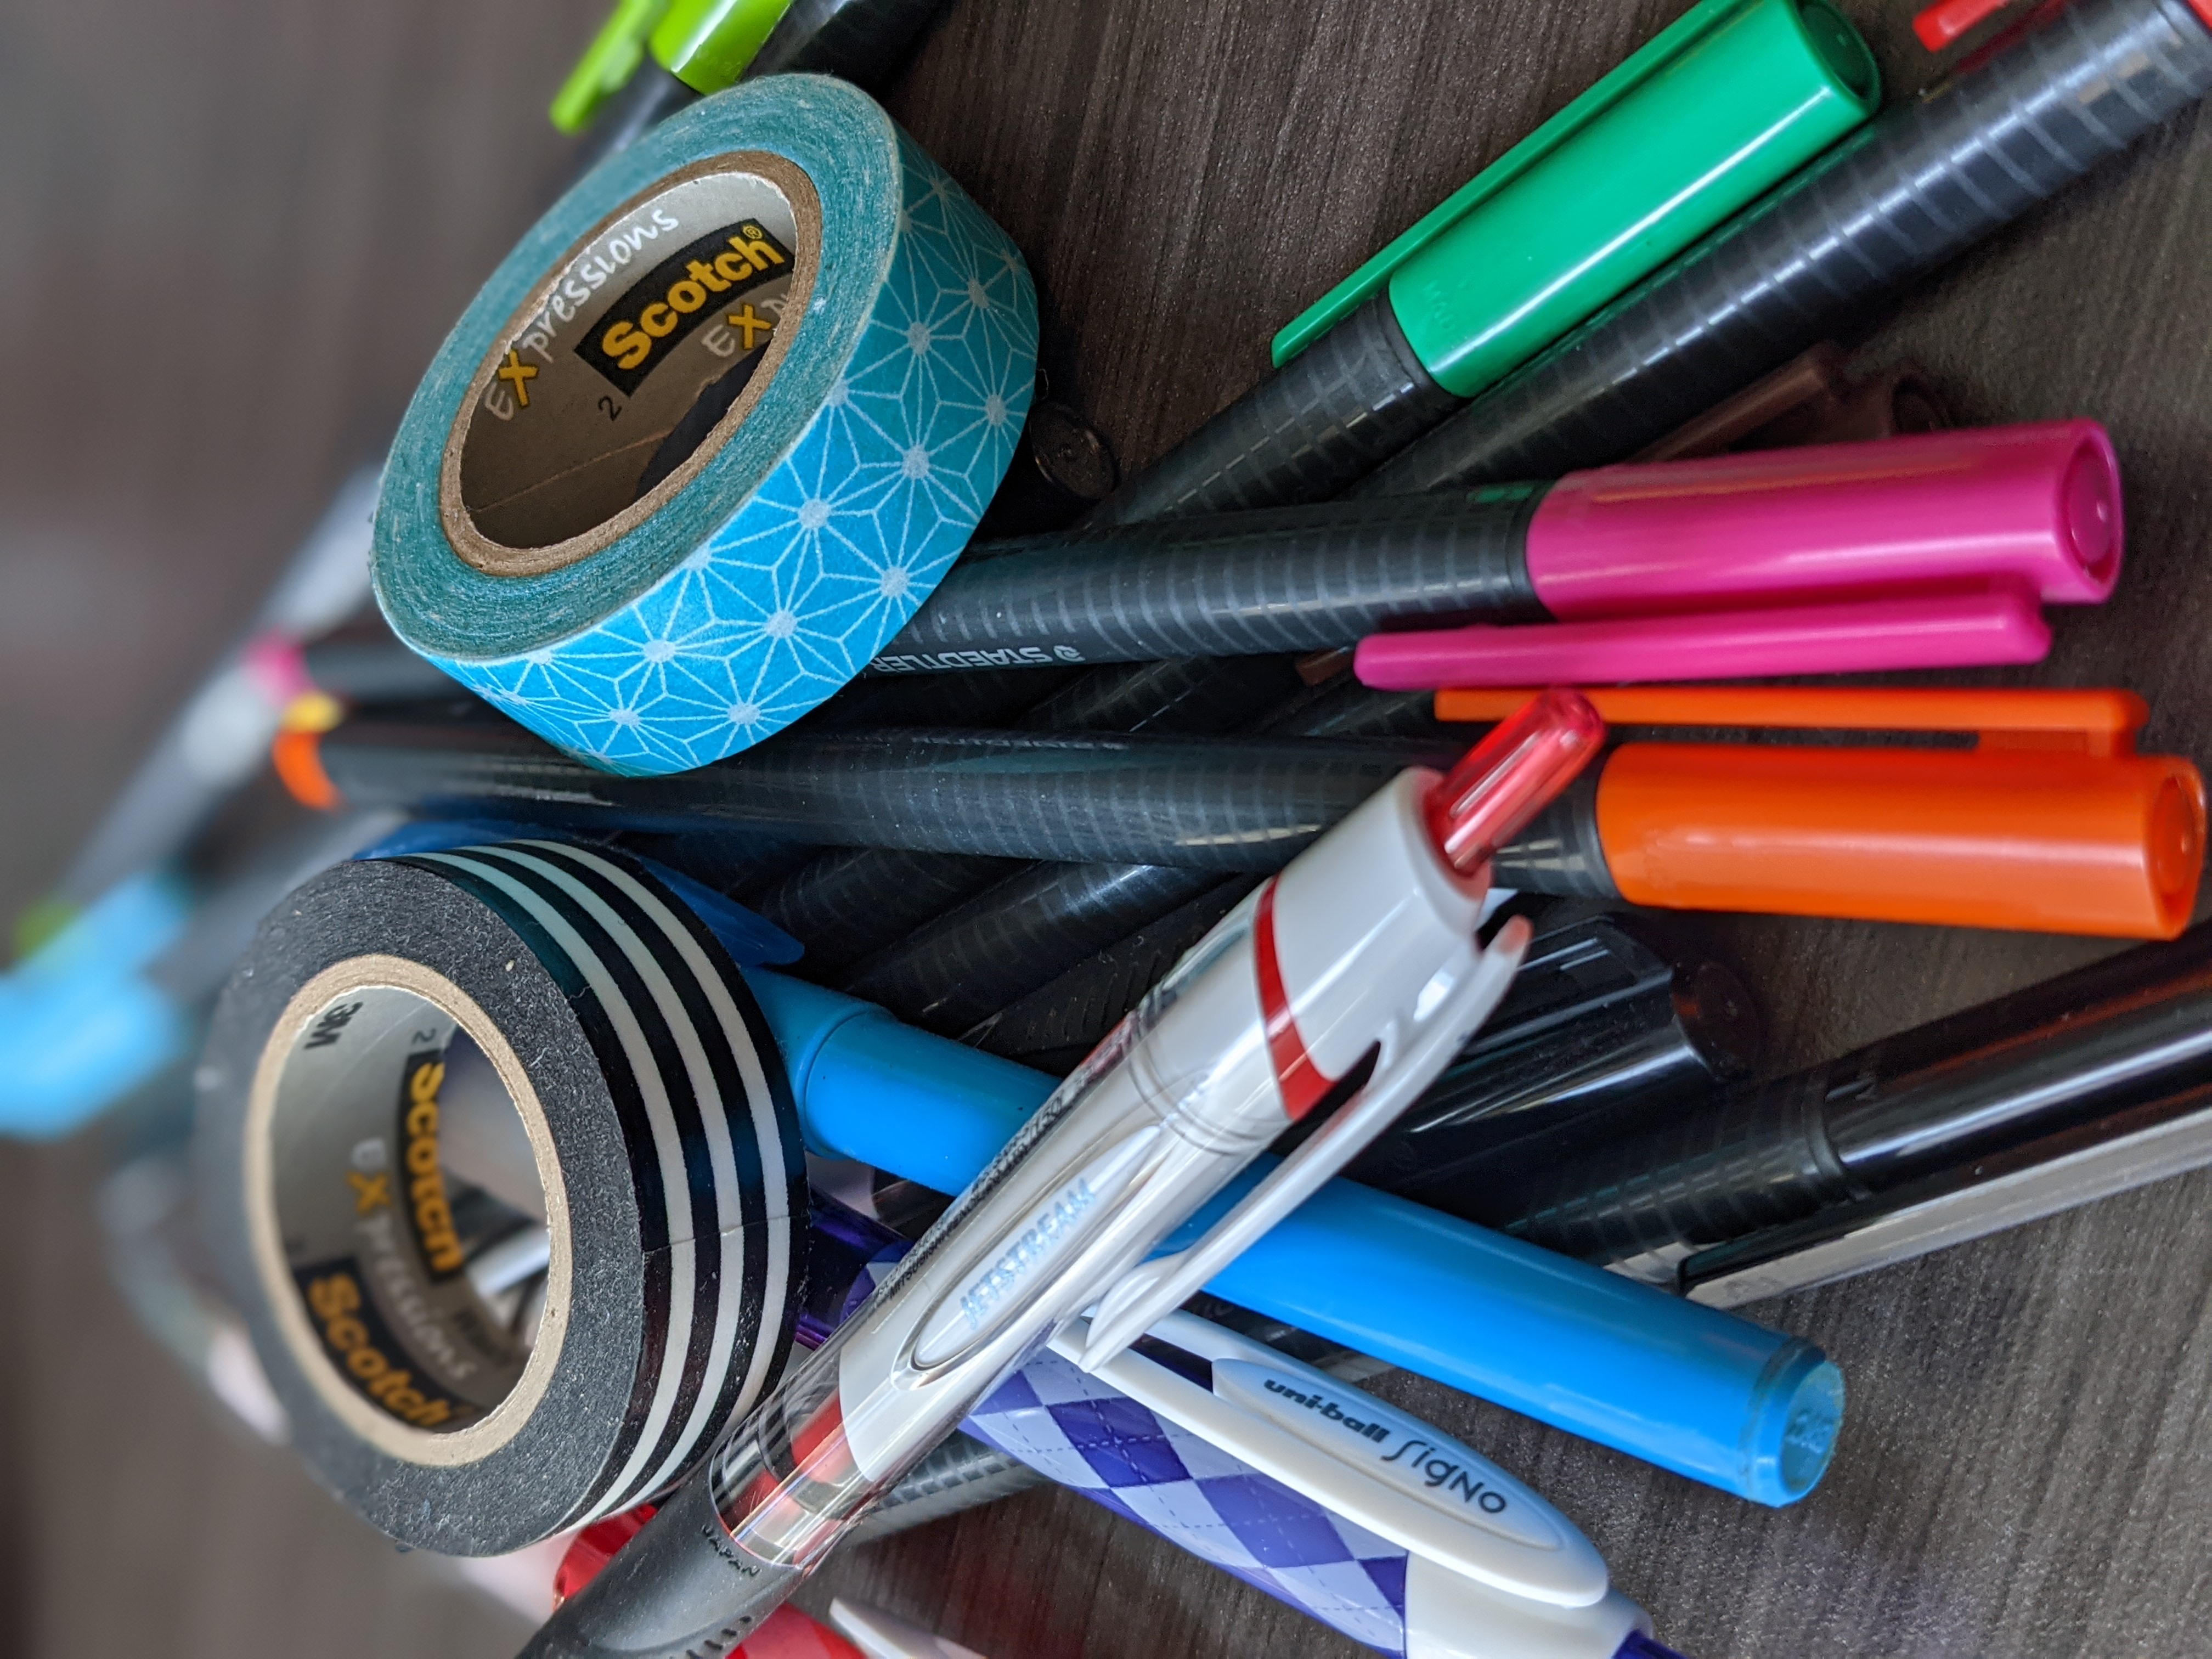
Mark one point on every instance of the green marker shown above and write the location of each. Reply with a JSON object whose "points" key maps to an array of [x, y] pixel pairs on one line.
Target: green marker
{"points": [[704, 45], [1714, 111], [708, 44], [607, 64]]}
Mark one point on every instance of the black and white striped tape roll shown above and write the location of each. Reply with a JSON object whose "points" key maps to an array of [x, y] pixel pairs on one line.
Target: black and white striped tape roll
{"points": [[503, 1164]]}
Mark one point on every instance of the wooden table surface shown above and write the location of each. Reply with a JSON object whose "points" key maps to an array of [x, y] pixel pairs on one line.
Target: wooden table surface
{"points": [[251, 224]]}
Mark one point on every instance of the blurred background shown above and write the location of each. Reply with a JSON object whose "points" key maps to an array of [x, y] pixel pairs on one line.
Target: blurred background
{"points": [[235, 232]]}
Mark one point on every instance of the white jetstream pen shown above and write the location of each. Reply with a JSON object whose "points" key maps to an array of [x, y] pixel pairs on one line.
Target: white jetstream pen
{"points": [[1348, 982]]}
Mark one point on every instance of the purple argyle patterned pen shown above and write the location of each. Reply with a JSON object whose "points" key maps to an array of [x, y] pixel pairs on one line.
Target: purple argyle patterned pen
{"points": [[1083, 1434], [1080, 1433], [1077, 1431]]}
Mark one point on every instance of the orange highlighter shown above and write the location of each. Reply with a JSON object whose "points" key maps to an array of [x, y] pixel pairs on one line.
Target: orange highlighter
{"points": [[2043, 817]]}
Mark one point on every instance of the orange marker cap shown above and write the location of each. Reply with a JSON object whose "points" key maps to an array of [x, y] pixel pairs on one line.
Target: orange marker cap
{"points": [[2096, 722], [2058, 842], [2051, 821], [298, 759]]}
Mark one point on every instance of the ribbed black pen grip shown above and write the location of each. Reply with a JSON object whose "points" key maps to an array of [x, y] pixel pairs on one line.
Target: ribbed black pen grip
{"points": [[1238, 584], [1759, 1157], [1055, 1025], [1341, 407], [680, 1589], [1925, 181], [844, 905], [1219, 803], [1561, 853], [959, 1475], [862, 41], [972, 961]]}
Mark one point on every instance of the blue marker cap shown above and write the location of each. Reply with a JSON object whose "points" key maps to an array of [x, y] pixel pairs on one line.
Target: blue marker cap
{"points": [[869, 1088], [79, 1028], [76, 1043]]}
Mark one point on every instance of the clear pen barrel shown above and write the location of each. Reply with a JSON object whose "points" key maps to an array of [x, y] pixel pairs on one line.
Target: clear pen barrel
{"points": [[1120, 1156], [788, 1484]]}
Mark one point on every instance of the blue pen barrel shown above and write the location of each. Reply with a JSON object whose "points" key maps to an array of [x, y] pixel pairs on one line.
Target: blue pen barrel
{"points": [[925, 1108], [1689, 1388], [1719, 1399]]}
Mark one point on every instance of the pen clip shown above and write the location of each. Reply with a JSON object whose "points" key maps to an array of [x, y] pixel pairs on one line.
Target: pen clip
{"points": [[1152, 1289], [1379, 1468]]}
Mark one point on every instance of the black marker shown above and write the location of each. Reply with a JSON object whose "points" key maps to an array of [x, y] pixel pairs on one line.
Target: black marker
{"points": [[882, 909], [1612, 1025], [1719, 106], [1005, 941], [1220, 804], [2101, 1056]]}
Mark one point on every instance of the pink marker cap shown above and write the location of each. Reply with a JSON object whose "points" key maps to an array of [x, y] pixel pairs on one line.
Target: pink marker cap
{"points": [[1951, 631], [2038, 506]]}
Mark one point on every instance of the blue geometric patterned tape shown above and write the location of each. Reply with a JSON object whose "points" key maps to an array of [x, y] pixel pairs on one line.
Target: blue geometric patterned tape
{"points": [[769, 580]]}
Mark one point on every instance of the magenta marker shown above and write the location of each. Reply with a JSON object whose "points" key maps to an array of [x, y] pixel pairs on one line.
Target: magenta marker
{"points": [[1928, 551], [1943, 630], [2038, 504]]}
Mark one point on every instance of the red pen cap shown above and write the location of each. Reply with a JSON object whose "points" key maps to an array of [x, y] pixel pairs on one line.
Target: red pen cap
{"points": [[1950, 21], [1504, 782]]}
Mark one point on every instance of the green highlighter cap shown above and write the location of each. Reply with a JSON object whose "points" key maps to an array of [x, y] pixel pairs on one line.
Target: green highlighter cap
{"points": [[707, 43], [1712, 113], [607, 64]]}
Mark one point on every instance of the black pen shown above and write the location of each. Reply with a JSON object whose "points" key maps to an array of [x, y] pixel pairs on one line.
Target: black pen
{"points": [[1222, 804], [2107, 1066]]}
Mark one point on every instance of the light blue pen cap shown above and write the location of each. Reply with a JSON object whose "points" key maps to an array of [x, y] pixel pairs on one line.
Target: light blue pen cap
{"points": [[79, 1028]]}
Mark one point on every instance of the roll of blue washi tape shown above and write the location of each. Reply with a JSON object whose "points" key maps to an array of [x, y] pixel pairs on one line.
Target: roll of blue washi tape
{"points": [[712, 433]]}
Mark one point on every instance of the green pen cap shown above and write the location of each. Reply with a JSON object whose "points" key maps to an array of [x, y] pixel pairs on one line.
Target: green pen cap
{"points": [[1712, 113], [607, 64], [707, 43]]}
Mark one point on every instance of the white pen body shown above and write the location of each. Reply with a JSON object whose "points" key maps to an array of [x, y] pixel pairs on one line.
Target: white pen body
{"points": [[1372, 927], [1283, 1001], [1036, 1239]]}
